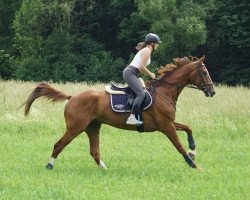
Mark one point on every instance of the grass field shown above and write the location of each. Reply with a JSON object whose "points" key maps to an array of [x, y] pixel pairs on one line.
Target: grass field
{"points": [[140, 165]]}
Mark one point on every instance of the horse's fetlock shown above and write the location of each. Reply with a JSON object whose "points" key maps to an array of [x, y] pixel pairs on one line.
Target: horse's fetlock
{"points": [[192, 146]]}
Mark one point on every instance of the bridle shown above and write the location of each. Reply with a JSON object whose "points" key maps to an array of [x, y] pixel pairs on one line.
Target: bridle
{"points": [[203, 86]]}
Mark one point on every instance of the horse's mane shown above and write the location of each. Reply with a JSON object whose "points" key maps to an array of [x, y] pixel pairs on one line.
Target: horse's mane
{"points": [[178, 62]]}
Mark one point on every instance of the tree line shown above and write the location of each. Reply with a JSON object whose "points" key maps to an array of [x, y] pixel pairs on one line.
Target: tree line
{"points": [[93, 40]]}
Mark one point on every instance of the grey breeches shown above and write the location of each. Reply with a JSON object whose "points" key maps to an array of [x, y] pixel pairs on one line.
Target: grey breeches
{"points": [[130, 74]]}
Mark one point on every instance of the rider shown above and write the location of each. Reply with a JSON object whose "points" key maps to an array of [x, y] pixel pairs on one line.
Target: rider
{"points": [[139, 64]]}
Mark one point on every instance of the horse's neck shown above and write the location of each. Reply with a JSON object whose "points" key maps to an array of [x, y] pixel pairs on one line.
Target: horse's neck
{"points": [[175, 82], [170, 91], [181, 74]]}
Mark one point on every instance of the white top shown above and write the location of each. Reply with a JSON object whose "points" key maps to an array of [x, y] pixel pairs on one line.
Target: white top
{"points": [[136, 62]]}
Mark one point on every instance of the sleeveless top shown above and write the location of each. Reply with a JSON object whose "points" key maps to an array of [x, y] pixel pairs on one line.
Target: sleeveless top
{"points": [[136, 62]]}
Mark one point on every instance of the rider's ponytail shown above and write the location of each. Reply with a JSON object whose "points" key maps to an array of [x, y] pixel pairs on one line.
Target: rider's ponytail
{"points": [[140, 46]]}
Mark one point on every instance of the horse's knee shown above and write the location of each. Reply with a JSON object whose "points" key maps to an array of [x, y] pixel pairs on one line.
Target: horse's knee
{"points": [[189, 130]]}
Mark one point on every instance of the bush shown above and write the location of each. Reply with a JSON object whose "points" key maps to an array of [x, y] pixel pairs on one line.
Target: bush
{"points": [[64, 57], [31, 69], [6, 69], [106, 69]]}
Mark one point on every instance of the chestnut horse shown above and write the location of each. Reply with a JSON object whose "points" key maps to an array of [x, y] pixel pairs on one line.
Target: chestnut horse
{"points": [[87, 111]]}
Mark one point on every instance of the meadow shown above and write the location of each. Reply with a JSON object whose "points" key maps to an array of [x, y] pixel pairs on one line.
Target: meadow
{"points": [[140, 165]]}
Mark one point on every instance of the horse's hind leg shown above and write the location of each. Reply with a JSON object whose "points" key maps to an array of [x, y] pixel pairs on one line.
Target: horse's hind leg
{"points": [[74, 127], [69, 135], [78, 113], [93, 131], [191, 143]]}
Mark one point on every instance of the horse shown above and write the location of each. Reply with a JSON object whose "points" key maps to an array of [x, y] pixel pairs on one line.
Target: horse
{"points": [[87, 111]]}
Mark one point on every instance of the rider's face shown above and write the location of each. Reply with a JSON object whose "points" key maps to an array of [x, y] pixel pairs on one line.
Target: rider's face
{"points": [[156, 45]]}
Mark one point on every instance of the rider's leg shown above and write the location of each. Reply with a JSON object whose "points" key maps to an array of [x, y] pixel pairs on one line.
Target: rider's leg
{"points": [[130, 76]]}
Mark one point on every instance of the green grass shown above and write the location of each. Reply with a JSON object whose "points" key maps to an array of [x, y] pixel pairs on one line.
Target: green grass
{"points": [[140, 166]]}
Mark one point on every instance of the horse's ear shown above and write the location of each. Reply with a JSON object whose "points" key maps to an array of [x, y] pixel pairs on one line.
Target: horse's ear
{"points": [[202, 58]]}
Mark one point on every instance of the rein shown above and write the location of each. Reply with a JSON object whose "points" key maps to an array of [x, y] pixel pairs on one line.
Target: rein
{"points": [[153, 90], [193, 86], [167, 99]]}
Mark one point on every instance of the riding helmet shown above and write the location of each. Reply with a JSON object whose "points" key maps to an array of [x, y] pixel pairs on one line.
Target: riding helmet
{"points": [[151, 37]]}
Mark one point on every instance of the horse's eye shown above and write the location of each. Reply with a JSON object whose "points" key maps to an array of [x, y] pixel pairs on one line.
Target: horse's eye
{"points": [[205, 73]]}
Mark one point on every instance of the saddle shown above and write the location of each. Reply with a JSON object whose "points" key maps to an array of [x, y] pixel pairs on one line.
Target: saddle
{"points": [[122, 98]]}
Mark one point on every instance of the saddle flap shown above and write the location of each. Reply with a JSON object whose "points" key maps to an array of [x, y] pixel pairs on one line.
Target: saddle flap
{"points": [[123, 102]]}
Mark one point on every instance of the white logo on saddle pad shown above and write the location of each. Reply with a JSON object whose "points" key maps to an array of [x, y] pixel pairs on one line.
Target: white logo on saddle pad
{"points": [[119, 106]]}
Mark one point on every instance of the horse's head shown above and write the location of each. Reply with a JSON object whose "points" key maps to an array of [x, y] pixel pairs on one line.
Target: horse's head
{"points": [[188, 71], [200, 77]]}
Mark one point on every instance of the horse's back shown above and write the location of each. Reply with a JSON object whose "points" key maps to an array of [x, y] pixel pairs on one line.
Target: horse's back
{"points": [[87, 102]]}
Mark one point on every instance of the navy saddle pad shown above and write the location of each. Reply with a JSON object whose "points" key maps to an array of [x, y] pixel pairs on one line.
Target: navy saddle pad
{"points": [[123, 103]]}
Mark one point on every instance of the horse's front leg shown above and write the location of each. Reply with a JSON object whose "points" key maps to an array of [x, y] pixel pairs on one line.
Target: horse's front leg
{"points": [[191, 143], [170, 132]]}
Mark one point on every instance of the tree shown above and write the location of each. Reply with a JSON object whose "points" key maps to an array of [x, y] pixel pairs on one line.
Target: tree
{"points": [[50, 50], [75, 40], [228, 44], [104, 22], [180, 25], [7, 14]]}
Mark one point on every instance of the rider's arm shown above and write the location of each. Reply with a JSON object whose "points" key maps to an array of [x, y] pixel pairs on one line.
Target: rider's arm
{"points": [[147, 72], [144, 59]]}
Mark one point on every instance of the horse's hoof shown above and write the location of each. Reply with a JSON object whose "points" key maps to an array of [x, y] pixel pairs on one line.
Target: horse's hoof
{"points": [[191, 155], [49, 166], [200, 169]]}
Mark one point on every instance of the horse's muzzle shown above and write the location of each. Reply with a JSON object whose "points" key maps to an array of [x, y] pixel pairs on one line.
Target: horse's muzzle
{"points": [[209, 93]]}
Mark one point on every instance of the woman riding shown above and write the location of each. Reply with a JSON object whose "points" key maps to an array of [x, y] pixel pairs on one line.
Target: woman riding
{"points": [[139, 64]]}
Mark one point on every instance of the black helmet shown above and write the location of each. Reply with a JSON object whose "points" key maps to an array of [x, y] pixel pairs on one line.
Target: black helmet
{"points": [[151, 37]]}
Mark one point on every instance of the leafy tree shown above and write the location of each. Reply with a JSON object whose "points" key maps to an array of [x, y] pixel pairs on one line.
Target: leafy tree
{"points": [[180, 25], [7, 14], [51, 51], [228, 42], [104, 24], [132, 30], [6, 69], [89, 40]]}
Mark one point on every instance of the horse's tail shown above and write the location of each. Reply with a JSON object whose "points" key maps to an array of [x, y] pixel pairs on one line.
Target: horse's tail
{"points": [[44, 90]]}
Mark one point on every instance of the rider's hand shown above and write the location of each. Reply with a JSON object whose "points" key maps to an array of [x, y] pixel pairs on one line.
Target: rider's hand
{"points": [[152, 76]]}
